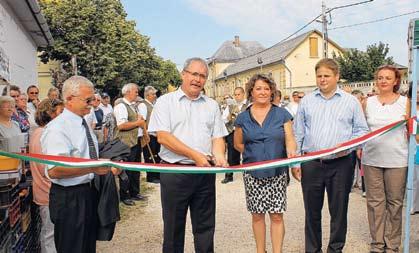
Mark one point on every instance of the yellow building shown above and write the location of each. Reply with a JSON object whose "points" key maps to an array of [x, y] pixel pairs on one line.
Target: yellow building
{"points": [[290, 63], [45, 76], [229, 52]]}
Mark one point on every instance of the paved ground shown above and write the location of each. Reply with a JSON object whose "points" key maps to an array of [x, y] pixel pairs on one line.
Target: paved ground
{"points": [[140, 229]]}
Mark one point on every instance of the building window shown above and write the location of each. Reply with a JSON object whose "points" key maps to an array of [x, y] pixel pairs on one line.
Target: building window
{"points": [[314, 47]]}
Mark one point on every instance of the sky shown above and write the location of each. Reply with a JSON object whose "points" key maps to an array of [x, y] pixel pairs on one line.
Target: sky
{"points": [[180, 29]]}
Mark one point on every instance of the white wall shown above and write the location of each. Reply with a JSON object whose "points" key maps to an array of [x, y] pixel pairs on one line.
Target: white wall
{"points": [[19, 48]]}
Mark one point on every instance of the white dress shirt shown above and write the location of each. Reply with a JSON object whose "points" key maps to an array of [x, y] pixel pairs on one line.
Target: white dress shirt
{"points": [[195, 122], [106, 109], [66, 136]]}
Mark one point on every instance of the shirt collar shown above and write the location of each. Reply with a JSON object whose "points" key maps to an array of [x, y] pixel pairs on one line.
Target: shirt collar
{"points": [[338, 91], [72, 117], [148, 101], [127, 102], [181, 94]]}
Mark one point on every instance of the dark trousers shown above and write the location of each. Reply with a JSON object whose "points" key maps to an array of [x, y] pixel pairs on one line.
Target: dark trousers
{"points": [[155, 149], [180, 192], [336, 177], [233, 156], [73, 210], [129, 186]]}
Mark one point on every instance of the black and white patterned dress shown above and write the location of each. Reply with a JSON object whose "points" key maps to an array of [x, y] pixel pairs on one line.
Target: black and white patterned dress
{"points": [[266, 195], [266, 189]]}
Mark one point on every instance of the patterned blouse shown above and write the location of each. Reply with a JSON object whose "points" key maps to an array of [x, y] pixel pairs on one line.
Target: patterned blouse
{"points": [[22, 118]]}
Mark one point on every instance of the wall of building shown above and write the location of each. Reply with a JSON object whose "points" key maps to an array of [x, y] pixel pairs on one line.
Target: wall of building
{"points": [[45, 76], [226, 86], [19, 48], [302, 65], [215, 69]]}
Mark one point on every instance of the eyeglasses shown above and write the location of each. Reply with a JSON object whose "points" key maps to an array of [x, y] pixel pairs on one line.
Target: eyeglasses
{"points": [[34, 93], [86, 100], [300, 96], [196, 75]]}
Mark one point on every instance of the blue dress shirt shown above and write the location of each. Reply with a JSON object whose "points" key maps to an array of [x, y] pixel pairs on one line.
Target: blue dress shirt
{"points": [[264, 142], [323, 123]]}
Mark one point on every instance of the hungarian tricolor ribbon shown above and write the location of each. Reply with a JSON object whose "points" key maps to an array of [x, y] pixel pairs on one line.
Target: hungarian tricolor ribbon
{"points": [[74, 162]]}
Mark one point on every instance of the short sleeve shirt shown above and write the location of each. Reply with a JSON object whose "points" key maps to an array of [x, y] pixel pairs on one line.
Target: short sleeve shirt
{"points": [[195, 122], [264, 142], [66, 136]]}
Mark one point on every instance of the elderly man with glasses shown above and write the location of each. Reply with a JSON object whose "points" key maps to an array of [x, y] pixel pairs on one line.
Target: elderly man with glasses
{"points": [[190, 129]]}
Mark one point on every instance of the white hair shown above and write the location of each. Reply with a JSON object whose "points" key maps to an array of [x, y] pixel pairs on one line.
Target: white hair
{"points": [[7, 99], [148, 90], [195, 59], [127, 87], [72, 85]]}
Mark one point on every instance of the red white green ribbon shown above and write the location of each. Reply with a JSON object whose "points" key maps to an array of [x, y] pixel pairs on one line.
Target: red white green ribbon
{"points": [[74, 162]]}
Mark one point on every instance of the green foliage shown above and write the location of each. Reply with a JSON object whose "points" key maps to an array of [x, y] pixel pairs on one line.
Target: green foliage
{"points": [[356, 65], [109, 50]]}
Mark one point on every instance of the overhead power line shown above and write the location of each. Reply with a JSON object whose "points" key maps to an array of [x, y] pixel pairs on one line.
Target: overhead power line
{"points": [[373, 21]]}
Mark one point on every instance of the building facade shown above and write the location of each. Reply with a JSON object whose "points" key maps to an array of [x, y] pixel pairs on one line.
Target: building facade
{"points": [[229, 52], [290, 63], [23, 30]]}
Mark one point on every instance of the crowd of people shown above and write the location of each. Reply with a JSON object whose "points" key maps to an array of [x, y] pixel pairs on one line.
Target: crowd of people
{"points": [[186, 127]]}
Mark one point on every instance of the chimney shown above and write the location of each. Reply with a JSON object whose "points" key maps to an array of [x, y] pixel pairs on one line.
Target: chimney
{"points": [[236, 41]]}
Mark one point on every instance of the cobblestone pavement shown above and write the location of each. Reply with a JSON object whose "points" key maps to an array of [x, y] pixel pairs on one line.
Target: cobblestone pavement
{"points": [[140, 229]]}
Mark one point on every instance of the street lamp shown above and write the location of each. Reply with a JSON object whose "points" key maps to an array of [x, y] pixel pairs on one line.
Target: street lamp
{"points": [[282, 62], [260, 62]]}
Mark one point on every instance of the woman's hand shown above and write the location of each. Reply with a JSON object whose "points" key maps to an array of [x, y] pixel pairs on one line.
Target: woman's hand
{"points": [[296, 173]]}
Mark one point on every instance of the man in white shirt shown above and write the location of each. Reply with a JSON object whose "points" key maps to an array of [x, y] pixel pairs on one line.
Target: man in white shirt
{"points": [[149, 143], [189, 127], [293, 106], [229, 117], [72, 196], [129, 124]]}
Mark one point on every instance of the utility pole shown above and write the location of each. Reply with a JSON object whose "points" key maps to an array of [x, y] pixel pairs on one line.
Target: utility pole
{"points": [[324, 30], [325, 22]]}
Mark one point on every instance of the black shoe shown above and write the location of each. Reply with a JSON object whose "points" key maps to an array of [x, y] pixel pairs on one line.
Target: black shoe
{"points": [[155, 181], [128, 202], [226, 180], [139, 197]]}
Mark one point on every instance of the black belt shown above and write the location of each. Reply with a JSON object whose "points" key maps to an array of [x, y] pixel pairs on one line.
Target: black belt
{"points": [[331, 160], [178, 163], [89, 184]]}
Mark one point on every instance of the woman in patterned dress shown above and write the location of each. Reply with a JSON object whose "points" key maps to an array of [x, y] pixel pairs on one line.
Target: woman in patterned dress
{"points": [[264, 132]]}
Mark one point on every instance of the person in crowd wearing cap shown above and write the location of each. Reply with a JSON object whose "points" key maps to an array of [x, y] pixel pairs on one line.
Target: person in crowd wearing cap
{"points": [[105, 105]]}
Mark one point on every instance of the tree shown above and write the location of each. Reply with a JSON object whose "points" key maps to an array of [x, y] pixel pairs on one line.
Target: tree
{"points": [[356, 65], [109, 50]]}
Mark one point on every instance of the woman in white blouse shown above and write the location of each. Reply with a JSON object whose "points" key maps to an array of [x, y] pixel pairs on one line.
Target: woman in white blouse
{"points": [[385, 161]]}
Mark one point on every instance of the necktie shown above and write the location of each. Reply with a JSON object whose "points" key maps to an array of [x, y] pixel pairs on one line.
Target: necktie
{"points": [[92, 148]]}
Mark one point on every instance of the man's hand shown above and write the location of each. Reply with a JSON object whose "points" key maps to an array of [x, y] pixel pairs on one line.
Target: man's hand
{"points": [[116, 171], [201, 160], [140, 121], [296, 173], [101, 170]]}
